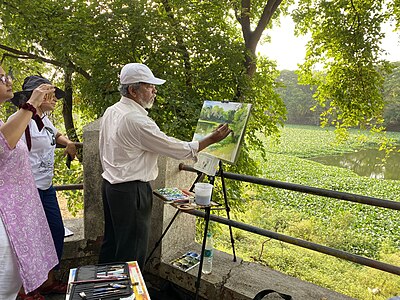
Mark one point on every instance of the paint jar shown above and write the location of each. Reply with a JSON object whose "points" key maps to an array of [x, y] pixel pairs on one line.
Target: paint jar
{"points": [[203, 193]]}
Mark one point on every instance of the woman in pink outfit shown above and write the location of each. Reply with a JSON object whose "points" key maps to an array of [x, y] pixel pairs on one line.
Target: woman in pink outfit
{"points": [[27, 252]]}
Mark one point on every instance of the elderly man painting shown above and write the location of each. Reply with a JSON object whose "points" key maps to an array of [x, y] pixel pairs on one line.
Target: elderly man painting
{"points": [[130, 143]]}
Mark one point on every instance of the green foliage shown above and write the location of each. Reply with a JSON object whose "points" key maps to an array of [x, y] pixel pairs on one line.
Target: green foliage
{"points": [[346, 42], [302, 108], [391, 95], [298, 99], [65, 176], [359, 229], [200, 54]]}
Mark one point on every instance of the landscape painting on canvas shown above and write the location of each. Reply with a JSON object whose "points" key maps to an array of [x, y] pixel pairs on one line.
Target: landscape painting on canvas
{"points": [[214, 113]]}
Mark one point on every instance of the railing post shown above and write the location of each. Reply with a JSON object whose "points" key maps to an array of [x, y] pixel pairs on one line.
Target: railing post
{"points": [[93, 206]]}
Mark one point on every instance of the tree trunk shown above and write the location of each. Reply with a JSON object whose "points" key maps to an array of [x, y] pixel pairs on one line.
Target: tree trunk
{"points": [[67, 107], [252, 37]]}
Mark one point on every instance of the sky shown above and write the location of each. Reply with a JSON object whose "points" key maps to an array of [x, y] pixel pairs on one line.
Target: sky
{"points": [[289, 50]]}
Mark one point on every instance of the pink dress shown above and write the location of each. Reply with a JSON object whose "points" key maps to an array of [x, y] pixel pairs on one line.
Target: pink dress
{"points": [[22, 214]]}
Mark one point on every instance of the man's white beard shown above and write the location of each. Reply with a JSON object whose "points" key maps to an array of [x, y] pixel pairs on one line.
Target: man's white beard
{"points": [[147, 105]]}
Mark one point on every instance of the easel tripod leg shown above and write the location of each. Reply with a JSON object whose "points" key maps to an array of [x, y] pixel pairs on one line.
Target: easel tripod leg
{"points": [[162, 236], [228, 209], [203, 247], [199, 177]]}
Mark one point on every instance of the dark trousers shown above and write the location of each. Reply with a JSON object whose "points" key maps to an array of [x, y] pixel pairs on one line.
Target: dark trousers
{"points": [[127, 216], [54, 218]]}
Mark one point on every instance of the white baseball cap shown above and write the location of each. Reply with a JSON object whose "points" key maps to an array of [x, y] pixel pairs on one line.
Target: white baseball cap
{"points": [[135, 72]]}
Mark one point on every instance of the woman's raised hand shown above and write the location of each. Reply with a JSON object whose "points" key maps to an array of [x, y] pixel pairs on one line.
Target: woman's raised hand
{"points": [[39, 93]]}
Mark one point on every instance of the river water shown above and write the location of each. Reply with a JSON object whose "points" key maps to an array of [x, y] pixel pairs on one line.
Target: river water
{"points": [[366, 162]]}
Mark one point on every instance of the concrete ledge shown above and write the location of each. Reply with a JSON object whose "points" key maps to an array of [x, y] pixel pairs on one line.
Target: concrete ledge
{"points": [[78, 251], [242, 280], [77, 227], [77, 246]]}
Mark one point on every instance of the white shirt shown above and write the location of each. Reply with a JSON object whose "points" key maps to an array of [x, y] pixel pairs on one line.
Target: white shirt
{"points": [[130, 143], [41, 155]]}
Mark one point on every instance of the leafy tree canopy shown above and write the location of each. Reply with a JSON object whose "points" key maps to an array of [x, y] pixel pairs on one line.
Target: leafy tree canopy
{"points": [[206, 50], [346, 38]]}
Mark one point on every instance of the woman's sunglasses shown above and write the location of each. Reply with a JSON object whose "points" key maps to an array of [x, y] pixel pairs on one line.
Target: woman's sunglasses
{"points": [[6, 79]]}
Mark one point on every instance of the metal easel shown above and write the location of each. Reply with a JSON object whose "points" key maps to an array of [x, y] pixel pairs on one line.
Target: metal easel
{"points": [[207, 221], [207, 209]]}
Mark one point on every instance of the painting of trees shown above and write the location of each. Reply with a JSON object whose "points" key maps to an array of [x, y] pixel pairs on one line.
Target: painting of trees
{"points": [[215, 113]]}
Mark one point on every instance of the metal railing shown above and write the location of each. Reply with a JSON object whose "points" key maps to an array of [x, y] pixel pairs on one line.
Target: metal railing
{"points": [[69, 187], [281, 237], [299, 242]]}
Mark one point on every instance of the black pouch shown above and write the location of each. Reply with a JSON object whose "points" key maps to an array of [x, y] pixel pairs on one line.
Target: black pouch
{"points": [[105, 281]]}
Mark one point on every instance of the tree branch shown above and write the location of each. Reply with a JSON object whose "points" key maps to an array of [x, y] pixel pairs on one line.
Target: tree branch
{"points": [[251, 38], [245, 20], [265, 18], [13, 56], [27, 55]]}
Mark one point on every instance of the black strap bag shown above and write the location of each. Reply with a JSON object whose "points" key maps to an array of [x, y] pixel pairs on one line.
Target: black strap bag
{"points": [[263, 293]]}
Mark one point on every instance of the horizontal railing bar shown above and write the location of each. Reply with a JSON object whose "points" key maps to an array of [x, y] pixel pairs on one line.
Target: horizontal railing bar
{"points": [[306, 189], [302, 243], [77, 145], [69, 187], [288, 239]]}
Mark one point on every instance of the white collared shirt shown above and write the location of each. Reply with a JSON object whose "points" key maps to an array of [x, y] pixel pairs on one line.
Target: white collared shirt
{"points": [[41, 155], [130, 143]]}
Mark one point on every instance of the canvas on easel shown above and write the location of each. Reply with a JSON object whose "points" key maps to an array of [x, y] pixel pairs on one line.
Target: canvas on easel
{"points": [[214, 113]]}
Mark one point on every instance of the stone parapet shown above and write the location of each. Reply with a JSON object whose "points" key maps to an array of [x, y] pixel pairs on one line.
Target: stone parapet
{"points": [[241, 280]]}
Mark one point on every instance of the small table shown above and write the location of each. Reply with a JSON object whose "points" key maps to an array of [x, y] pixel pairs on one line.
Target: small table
{"points": [[183, 207], [138, 285]]}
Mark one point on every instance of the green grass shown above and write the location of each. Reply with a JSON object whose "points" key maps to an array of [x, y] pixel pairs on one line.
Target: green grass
{"points": [[359, 229], [309, 141]]}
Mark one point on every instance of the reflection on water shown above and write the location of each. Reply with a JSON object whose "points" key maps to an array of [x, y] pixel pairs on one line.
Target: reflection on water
{"points": [[203, 128], [366, 163]]}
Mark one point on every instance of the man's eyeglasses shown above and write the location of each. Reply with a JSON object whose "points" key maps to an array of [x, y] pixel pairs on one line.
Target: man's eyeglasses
{"points": [[6, 79], [51, 135]]}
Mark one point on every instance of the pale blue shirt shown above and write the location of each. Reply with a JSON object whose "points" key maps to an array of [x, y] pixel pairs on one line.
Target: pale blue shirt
{"points": [[130, 143]]}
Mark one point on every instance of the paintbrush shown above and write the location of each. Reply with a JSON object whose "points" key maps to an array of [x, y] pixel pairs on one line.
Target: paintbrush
{"points": [[114, 285], [98, 280], [107, 293]]}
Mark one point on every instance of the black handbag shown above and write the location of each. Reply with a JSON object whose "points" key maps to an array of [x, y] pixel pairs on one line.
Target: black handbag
{"points": [[263, 293]]}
